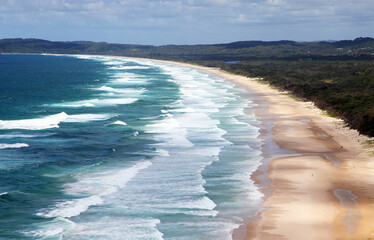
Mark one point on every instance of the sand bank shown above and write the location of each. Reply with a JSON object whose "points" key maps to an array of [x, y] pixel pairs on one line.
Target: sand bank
{"points": [[318, 180]]}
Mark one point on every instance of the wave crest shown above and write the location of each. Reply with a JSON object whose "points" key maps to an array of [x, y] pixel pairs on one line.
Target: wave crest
{"points": [[51, 121]]}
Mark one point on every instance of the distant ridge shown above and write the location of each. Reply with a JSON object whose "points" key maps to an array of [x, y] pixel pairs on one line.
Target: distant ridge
{"points": [[248, 44], [357, 41], [241, 50]]}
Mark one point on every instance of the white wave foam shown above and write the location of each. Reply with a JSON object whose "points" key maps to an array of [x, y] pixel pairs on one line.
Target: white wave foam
{"points": [[87, 117], [79, 105], [162, 152], [88, 57], [151, 118], [121, 90], [3, 193], [47, 232], [163, 126], [203, 213], [235, 121], [52, 229], [202, 203], [98, 186], [212, 151], [115, 101], [113, 62], [20, 135], [136, 133], [119, 123], [127, 75], [105, 88], [184, 110], [13, 145], [108, 182], [169, 132], [97, 102], [51, 121], [129, 67], [73, 207], [129, 80], [103, 227]]}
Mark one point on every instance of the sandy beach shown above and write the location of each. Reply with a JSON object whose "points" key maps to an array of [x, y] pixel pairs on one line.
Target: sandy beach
{"points": [[322, 188], [317, 175]]}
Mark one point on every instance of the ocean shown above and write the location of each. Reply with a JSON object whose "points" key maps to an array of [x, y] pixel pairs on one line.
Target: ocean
{"points": [[96, 147]]}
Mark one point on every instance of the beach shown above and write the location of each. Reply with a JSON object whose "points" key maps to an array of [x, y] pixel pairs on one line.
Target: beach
{"points": [[314, 176], [322, 188], [317, 175]]}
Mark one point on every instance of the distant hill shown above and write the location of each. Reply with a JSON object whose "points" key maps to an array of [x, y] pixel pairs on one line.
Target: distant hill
{"points": [[243, 50], [20, 45]]}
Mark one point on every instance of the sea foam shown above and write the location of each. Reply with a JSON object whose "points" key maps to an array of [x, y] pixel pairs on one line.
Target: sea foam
{"points": [[96, 102], [121, 90], [119, 123], [51, 121], [128, 67], [87, 117], [13, 145], [98, 186], [20, 135]]}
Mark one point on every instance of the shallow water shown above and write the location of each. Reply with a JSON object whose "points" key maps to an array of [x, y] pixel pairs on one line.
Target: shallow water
{"points": [[114, 148]]}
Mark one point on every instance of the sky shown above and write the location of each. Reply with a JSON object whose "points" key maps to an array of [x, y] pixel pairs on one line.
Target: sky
{"points": [[161, 22]]}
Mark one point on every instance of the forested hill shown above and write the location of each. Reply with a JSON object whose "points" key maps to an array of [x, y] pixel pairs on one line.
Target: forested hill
{"points": [[337, 76], [362, 48]]}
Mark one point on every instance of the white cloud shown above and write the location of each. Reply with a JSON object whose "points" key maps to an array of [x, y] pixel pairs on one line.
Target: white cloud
{"points": [[242, 18], [203, 18], [276, 2]]}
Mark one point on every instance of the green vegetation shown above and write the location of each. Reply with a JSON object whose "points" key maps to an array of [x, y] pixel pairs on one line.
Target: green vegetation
{"points": [[343, 88], [337, 76]]}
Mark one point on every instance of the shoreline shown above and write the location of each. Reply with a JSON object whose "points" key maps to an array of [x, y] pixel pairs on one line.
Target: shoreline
{"points": [[323, 156], [317, 176], [318, 179]]}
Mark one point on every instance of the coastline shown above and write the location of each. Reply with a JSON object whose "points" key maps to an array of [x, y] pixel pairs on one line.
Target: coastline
{"points": [[317, 177], [318, 180]]}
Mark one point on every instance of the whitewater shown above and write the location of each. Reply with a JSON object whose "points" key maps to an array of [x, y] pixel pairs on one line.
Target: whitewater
{"points": [[101, 147]]}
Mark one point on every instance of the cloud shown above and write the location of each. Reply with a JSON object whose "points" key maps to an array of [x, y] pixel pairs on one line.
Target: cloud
{"points": [[276, 2], [180, 9], [201, 19]]}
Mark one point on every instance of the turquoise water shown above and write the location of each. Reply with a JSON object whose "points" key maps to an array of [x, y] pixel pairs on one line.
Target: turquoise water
{"points": [[114, 148]]}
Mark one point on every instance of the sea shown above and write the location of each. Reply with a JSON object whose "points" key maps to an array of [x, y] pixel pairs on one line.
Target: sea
{"points": [[100, 147]]}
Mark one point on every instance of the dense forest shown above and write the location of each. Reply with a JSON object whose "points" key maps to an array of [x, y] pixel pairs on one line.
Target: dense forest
{"points": [[343, 88], [337, 75]]}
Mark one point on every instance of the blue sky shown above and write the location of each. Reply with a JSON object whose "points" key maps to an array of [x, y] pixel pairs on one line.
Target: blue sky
{"points": [[160, 22]]}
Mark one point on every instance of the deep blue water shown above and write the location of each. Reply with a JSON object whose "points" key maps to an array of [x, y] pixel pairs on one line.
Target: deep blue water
{"points": [[114, 148]]}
